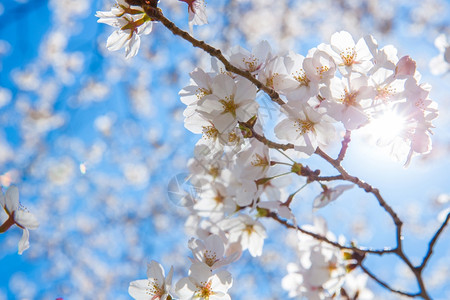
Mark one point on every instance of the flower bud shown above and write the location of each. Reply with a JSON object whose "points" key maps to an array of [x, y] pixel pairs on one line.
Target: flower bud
{"points": [[406, 66]]}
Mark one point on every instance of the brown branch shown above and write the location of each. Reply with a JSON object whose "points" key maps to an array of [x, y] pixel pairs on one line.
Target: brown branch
{"points": [[330, 178], [432, 243], [262, 139], [157, 15], [384, 284], [344, 148], [366, 187], [319, 237]]}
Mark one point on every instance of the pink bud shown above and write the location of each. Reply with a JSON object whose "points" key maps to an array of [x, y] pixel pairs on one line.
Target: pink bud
{"points": [[405, 67]]}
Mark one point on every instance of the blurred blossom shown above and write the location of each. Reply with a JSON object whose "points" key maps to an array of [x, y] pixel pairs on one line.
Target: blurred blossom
{"points": [[61, 171]]}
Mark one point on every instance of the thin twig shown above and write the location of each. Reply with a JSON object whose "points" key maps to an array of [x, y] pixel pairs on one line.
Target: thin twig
{"points": [[264, 140], [330, 178], [366, 187], [432, 243], [324, 239], [384, 284], [344, 148]]}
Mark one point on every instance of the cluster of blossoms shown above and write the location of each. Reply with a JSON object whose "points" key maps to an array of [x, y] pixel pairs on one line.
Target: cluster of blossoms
{"points": [[16, 214], [323, 271], [338, 85], [342, 85], [204, 280]]}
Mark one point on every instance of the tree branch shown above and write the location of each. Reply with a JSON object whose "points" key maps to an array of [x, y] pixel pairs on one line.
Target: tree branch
{"points": [[432, 243], [158, 16], [366, 187], [344, 148], [385, 285], [319, 237]]}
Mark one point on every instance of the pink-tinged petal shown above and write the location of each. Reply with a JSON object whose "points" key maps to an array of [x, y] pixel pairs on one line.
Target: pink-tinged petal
{"points": [[24, 244], [12, 199], [25, 219], [405, 67]]}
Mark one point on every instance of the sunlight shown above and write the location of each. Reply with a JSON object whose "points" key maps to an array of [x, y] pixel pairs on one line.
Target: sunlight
{"points": [[386, 126]]}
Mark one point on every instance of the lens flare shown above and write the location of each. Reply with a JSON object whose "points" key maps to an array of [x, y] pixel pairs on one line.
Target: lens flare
{"points": [[386, 126]]}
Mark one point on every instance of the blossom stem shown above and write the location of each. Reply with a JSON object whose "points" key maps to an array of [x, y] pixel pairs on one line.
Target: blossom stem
{"points": [[291, 196], [7, 224]]}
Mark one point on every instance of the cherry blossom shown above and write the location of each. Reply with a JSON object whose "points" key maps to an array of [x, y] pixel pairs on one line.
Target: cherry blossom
{"points": [[203, 284], [131, 22], [197, 12], [18, 215], [307, 129], [246, 231], [330, 194], [211, 252], [156, 287], [347, 100], [229, 103], [254, 61], [349, 57]]}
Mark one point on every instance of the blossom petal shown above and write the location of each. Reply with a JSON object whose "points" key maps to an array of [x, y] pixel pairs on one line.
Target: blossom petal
{"points": [[12, 199], [24, 244]]}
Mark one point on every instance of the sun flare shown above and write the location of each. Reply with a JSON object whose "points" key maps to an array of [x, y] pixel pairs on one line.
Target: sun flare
{"points": [[386, 126]]}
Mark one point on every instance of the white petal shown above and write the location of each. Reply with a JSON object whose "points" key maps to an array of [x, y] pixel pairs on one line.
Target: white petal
{"points": [[156, 272], [24, 244], [117, 40], [12, 199], [138, 289], [26, 219]]}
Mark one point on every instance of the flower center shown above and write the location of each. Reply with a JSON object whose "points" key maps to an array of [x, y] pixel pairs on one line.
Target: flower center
{"points": [[204, 291], [384, 93], [210, 132], [251, 63], [321, 70], [304, 126], [210, 258], [202, 92], [300, 76], [259, 161], [154, 289], [348, 56], [349, 99], [229, 106]]}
